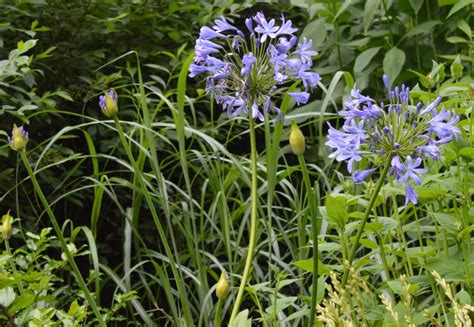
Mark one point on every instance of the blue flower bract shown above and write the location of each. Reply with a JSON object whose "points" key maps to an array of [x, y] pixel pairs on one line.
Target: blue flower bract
{"points": [[248, 72]]}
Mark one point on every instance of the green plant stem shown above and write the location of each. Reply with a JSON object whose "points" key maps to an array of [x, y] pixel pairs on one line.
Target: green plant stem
{"points": [[151, 207], [314, 235], [218, 313], [9, 251], [59, 233], [368, 210], [253, 223]]}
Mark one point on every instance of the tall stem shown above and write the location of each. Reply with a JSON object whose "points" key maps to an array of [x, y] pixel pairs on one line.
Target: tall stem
{"points": [[59, 233], [314, 235], [368, 210], [253, 223]]}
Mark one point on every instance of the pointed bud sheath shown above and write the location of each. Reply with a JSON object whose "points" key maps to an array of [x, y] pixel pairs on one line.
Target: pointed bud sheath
{"points": [[19, 138], [296, 140], [222, 287], [7, 226], [108, 103]]}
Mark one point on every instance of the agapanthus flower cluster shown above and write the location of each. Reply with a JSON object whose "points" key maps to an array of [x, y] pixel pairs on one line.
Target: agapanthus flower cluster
{"points": [[246, 71], [399, 131]]}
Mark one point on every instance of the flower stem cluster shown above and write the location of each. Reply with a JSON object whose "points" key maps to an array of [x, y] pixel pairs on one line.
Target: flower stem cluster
{"points": [[246, 72], [401, 131]]}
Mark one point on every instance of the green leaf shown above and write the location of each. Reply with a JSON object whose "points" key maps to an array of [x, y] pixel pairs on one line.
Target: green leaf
{"points": [[449, 222], [25, 46], [7, 296], [459, 5], [467, 153], [463, 26], [456, 39], [463, 297], [242, 319], [21, 302], [316, 31], [336, 209], [307, 265], [364, 59], [393, 63], [370, 9], [416, 5], [425, 27]]}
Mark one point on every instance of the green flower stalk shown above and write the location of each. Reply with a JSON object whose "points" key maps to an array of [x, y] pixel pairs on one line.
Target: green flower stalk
{"points": [[297, 144], [18, 143]]}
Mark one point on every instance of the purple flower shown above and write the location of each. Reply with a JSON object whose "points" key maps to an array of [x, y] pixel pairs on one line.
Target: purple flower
{"points": [[360, 175], [299, 97], [410, 194], [256, 114], [393, 130], [286, 27], [267, 29], [222, 25], [248, 60], [431, 106], [385, 81], [411, 171], [244, 73], [304, 50], [207, 34]]}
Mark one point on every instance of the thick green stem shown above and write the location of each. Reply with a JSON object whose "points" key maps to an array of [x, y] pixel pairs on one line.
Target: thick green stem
{"points": [[253, 224], [314, 235], [59, 233], [368, 210], [217, 322]]}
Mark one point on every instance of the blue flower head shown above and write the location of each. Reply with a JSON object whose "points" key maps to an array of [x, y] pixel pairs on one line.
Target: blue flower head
{"points": [[246, 73], [399, 130]]}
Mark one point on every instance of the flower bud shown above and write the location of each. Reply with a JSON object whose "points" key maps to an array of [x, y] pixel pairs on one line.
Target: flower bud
{"points": [[7, 226], [457, 68], [19, 138], [108, 103], [296, 139], [222, 287]]}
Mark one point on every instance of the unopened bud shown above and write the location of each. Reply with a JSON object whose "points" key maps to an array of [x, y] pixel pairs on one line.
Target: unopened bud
{"points": [[19, 138], [296, 140], [108, 103], [222, 287], [7, 226], [457, 68]]}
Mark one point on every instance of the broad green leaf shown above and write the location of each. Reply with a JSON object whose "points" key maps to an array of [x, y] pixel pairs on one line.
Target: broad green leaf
{"points": [[467, 153], [416, 5], [281, 304], [463, 26], [316, 31], [336, 209], [25, 46], [425, 27], [459, 5], [7, 296], [449, 222], [21, 302], [393, 63], [456, 39], [307, 265], [242, 319], [370, 9], [463, 297], [364, 59]]}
